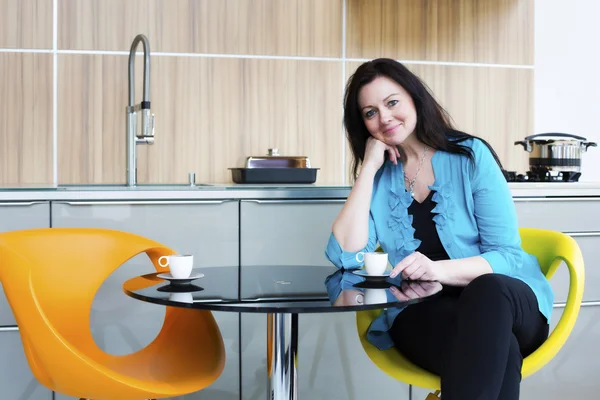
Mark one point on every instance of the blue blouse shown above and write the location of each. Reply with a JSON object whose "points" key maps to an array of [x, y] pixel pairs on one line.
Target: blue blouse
{"points": [[475, 216]]}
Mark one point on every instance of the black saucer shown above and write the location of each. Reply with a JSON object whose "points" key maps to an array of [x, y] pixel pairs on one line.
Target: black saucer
{"points": [[178, 288]]}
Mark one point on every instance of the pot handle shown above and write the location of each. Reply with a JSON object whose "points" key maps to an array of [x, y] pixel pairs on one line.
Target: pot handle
{"points": [[525, 145], [568, 135], [590, 144]]}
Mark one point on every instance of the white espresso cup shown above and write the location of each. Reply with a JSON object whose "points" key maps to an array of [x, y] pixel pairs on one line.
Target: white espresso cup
{"points": [[375, 263], [179, 264]]}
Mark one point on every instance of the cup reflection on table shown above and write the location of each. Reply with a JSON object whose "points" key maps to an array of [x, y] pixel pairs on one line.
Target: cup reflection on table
{"points": [[181, 297], [407, 290]]}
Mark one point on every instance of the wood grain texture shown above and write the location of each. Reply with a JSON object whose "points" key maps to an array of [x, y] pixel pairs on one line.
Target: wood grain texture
{"points": [[26, 24], [262, 27], [495, 104], [25, 118], [210, 115], [490, 31], [92, 96]]}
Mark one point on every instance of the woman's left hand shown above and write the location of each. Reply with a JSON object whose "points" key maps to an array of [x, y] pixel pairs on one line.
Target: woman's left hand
{"points": [[418, 267]]}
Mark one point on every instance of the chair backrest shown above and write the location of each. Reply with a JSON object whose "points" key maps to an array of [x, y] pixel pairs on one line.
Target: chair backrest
{"points": [[51, 275], [550, 248]]}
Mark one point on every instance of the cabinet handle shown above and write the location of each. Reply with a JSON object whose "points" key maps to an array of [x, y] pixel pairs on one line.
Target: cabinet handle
{"points": [[22, 203], [298, 201], [290, 298], [9, 328], [561, 199], [582, 234], [155, 202]]}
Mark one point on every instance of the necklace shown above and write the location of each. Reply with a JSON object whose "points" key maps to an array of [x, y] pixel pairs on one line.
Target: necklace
{"points": [[411, 182]]}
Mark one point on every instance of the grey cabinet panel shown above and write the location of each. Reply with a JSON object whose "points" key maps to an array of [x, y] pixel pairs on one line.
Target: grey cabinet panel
{"points": [[16, 380], [590, 248], [120, 324], [560, 214], [573, 373], [17, 216], [331, 361], [289, 232]]}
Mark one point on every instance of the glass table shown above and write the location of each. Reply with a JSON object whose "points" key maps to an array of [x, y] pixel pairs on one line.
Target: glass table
{"points": [[281, 292]]}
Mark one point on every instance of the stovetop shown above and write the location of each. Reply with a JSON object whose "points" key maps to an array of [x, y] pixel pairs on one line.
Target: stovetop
{"points": [[542, 176]]}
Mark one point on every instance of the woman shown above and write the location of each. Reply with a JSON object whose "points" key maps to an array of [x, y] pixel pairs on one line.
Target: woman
{"points": [[437, 202]]}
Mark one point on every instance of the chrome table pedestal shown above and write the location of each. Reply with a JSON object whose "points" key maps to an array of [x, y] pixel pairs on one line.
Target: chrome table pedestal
{"points": [[282, 356]]}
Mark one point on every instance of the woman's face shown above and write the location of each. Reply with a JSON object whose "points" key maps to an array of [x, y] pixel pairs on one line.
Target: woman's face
{"points": [[388, 111]]}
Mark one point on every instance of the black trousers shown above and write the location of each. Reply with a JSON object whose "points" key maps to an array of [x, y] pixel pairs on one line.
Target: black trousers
{"points": [[474, 337]]}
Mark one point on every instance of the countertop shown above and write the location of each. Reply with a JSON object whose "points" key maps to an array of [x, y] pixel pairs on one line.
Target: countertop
{"points": [[238, 191]]}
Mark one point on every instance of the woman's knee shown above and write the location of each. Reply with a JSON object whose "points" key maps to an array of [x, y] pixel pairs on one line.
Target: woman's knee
{"points": [[486, 290]]}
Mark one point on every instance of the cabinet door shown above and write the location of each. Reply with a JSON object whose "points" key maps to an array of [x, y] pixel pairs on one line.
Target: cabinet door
{"points": [[208, 230], [559, 214], [573, 373], [286, 232], [16, 379], [17, 216], [331, 361]]}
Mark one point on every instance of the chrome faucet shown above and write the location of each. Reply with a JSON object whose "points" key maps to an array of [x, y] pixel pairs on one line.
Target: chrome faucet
{"points": [[147, 134]]}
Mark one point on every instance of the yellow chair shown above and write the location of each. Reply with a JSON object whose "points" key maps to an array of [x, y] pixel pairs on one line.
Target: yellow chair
{"points": [[50, 277], [550, 248]]}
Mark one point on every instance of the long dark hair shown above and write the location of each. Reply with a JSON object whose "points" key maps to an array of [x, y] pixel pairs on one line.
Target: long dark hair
{"points": [[434, 126]]}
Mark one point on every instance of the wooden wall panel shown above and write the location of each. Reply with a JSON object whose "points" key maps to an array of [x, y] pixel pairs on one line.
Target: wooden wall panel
{"points": [[210, 115], [493, 103], [262, 27], [25, 118], [92, 96], [490, 31], [26, 24], [212, 112]]}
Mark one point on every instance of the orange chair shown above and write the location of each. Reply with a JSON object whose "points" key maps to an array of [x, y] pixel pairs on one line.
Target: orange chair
{"points": [[50, 277]]}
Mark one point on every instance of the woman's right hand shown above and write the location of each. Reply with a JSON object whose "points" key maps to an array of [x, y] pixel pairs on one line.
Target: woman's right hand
{"points": [[375, 154]]}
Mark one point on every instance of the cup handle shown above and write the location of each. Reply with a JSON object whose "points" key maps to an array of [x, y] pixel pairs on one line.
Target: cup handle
{"points": [[161, 264], [360, 253]]}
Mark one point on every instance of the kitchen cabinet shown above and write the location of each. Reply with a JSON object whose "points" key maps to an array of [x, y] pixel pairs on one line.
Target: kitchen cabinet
{"points": [[563, 214], [16, 379], [206, 229], [573, 373], [331, 361], [17, 216], [286, 232]]}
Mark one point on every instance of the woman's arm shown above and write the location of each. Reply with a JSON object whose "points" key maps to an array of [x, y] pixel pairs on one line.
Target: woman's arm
{"points": [[351, 227], [354, 230], [462, 271]]}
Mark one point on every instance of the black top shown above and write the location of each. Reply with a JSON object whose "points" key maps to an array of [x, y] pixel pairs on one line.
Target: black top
{"points": [[425, 230], [281, 289]]}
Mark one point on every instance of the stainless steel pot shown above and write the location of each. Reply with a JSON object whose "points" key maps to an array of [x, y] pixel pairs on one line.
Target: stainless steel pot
{"points": [[557, 152]]}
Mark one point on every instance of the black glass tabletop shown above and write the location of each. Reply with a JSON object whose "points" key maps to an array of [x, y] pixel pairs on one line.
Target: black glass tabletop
{"points": [[280, 289]]}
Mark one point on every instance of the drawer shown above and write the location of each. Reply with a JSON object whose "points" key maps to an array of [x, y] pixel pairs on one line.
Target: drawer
{"points": [[291, 232], [560, 214]]}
